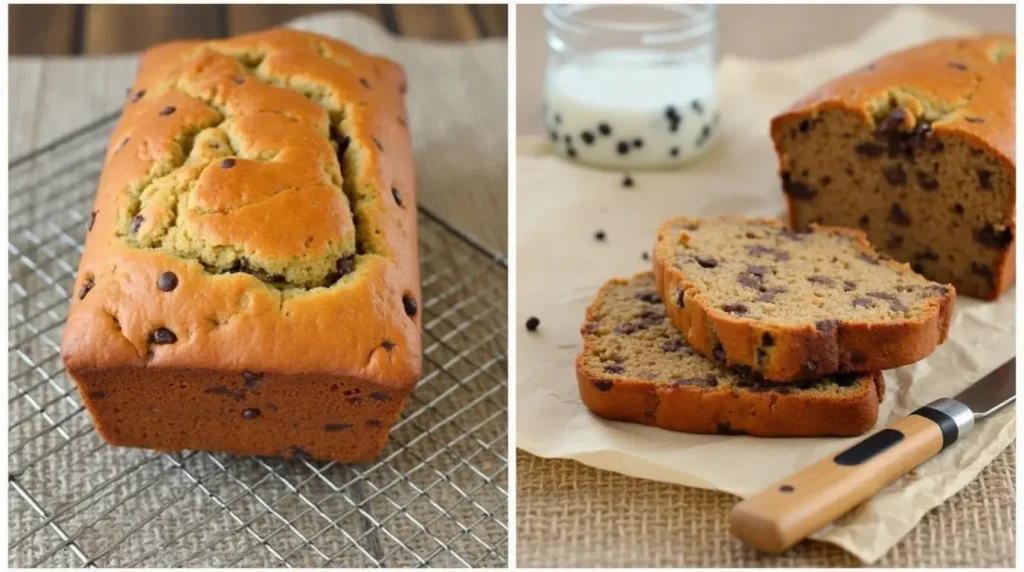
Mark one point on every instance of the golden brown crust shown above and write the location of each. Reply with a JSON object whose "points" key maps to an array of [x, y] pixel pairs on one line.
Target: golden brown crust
{"points": [[987, 88], [279, 104], [841, 346], [695, 410]]}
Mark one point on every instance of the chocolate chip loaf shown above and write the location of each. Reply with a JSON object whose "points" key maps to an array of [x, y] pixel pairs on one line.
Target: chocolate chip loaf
{"points": [[636, 366], [917, 149], [250, 279], [792, 306]]}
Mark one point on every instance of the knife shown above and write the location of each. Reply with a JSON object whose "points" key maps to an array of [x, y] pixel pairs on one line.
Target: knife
{"points": [[790, 510]]}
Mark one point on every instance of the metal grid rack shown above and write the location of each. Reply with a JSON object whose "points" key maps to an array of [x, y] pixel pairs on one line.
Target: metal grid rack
{"points": [[437, 496]]}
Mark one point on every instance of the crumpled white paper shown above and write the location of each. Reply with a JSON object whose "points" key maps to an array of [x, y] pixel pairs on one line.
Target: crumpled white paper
{"points": [[560, 267]]}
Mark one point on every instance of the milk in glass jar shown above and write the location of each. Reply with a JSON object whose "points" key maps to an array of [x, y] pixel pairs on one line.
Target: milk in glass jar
{"points": [[631, 87]]}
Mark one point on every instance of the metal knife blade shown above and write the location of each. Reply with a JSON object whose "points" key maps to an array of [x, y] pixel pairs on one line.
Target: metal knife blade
{"points": [[991, 392]]}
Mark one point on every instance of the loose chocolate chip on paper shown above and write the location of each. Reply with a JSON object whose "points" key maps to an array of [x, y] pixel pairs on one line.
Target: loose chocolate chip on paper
{"points": [[627, 181], [599, 236], [638, 143], [532, 323]]}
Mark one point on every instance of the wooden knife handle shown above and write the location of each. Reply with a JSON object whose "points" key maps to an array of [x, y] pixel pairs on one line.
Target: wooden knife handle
{"points": [[789, 511]]}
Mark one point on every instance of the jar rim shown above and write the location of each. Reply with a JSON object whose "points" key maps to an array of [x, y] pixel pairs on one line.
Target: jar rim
{"points": [[691, 20]]}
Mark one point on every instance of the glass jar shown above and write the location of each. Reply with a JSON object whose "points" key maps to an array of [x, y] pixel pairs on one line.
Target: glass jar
{"points": [[631, 86]]}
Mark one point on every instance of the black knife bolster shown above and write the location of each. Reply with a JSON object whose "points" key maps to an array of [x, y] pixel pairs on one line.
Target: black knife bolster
{"points": [[946, 424]]}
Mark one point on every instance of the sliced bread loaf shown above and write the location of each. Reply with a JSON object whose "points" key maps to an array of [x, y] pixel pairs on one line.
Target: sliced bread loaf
{"points": [[635, 366], [793, 306]]}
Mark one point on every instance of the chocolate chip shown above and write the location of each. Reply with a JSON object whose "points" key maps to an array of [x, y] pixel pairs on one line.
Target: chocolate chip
{"points": [[758, 250], [250, 413], [674, 151], [985, 272], [638, 143], [769, 294], [796, 189], [122, 144], [571, 152], [749, 280], [895, 175], [649, 297], [697, 107], [895, 241], [706, 261], [710, 381], [622, 147], [554, 136], [867, 258], [387, 345], [162, 336], [805, 126], [673, 346], [718, 352], [377, 143], [810, 367], [604, 129], [373, 423], [824, 181], [863, 221], [826, 327], [671, 113], [974, 119], [409, 304], [301, 454], [167, 110], [603, 385], [252, 379], [645, 256], [86, 286], [680, 294], [337, 427], [568, 139], [705, 134], [724, 428], [587, 137], [627, 181], [365, 83], [167, 281], [926, 181], [927, 254], [957, 66], [898, 216], [735, 308], [97, 394], [136, 224], [762, 357], [992, 238], [532, 323], [398, 196], [894, 303], [893, 121], [818, 279], [858, 357], [869, 150], [239, 79], [558, 118], [138, 95], [985, 179], [599, 236], [849, 286], [614, 368], [227, 163], [862, 303], [92, 220], [917, 267]]}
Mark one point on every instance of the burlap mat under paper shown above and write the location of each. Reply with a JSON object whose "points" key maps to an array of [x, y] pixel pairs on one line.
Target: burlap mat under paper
{"points": [[457, 116], [575, 518]]}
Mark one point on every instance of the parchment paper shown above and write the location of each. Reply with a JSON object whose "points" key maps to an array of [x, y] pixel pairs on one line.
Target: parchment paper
{"points": [[560, 266]]}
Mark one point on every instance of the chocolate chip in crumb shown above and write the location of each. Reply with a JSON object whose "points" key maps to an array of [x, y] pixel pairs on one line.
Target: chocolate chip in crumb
{"points": [[863, 221], [706, 261], [893, 121], [252, 379], [571, 152], [673, 346], [251, 414], [898, 216], [599, 236], [167, 281], [337, 427], [869, 150], [984, 271], [917, 267], [735, 308], [614, 368], [167, 110], [136, 224], [862, 303], [958, 209], [990, 237], [805, 126], [365, 83], [985, 179], [227, 163], [718, 352], [162, 336], [796, 189], [409, 304], [926, 181], [558, 119]]}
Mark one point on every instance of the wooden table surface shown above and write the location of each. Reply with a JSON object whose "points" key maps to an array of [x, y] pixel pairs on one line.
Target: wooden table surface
{"points": [[109, 29]]}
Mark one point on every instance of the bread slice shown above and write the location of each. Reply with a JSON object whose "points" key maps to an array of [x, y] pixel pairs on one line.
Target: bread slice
{"points": [[792, 306], [635, 366]]}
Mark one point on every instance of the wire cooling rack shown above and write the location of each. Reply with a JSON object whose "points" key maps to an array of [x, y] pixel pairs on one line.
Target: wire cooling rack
{"points": [[436, 497]]}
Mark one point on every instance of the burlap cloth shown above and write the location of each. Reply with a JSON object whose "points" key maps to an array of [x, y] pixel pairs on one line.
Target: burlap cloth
{"points": [[443, 495], [573, 515]]}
